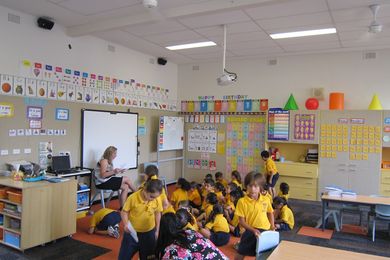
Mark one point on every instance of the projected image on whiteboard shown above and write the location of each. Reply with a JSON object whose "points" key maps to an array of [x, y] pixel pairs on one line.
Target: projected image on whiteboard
{"points": [[102, 129]]}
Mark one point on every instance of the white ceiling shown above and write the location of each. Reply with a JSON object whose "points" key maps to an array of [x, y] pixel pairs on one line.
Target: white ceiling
{"points": [[249, 23]]}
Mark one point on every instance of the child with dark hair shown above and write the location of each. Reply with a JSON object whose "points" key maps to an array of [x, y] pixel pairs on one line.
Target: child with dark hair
{"points": [[142, 211], [219, 178], [255, 214], [211, 200], [284, 189], [271, 172], [208, 187], [194, 196], [285, 219], [208, 176], [220, 192], [230, 208], [174, 243], [181, 192], [217, 227], [185, 205], [236, 178]]}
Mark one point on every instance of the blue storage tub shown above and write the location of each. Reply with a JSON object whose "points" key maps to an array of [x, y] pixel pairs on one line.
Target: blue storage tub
{"points": [[12, 238]]}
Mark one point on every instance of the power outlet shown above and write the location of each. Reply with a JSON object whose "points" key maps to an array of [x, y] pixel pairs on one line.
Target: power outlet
{"points": [[64, 153]]}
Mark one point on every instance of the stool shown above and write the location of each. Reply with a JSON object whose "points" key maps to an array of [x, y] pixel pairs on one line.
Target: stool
{"points": [[101, 193], [334, 213]]}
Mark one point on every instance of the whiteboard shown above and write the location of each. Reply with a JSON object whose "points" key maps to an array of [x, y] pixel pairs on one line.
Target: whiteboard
{"points": [[171, 133], [101, 129]]}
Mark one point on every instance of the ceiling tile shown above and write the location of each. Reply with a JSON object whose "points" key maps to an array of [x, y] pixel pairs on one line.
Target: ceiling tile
{"points": [[174, 38], [203, 50], [367, 42], [265, 51], [251, 45], [155, 28], [90, 7], [295, 21], [362, 13], [287, 8], [240, 27], [361, 24], [346, 4], [362, 35], [164, 4], [312, 47], [209, 56], [214, 19]]}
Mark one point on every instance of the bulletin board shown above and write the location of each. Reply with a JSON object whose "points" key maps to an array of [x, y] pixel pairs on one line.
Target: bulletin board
{"points": [[171, 133], [239, 142]]}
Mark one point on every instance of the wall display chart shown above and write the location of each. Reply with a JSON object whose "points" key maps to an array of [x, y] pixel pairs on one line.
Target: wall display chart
{"points": [[171, 133], [245, 138], [202, 139], [304, 126], [278, 124], [59, 83]]}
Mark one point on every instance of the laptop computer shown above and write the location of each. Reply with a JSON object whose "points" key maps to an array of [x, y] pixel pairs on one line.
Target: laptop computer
{"points": [[61, 165]]}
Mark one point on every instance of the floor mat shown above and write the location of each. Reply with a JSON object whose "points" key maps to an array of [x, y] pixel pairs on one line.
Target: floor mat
{"points": [[315, 232]]}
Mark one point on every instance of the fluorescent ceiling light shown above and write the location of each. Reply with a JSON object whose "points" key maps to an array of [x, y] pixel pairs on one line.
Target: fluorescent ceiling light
{"points": [[303, 33], [190, 45]]}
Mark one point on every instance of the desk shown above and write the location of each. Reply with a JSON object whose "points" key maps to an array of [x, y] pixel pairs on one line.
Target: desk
{"points": [[359, 200], [297, 251]]}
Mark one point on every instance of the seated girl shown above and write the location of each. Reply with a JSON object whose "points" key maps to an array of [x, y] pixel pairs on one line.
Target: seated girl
{"points": [[174, 243], [217, 227], [284, 221]]}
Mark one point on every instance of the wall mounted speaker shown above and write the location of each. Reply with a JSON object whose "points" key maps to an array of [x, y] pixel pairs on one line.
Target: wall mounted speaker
{"points": [[45, 23], [161, 61]]}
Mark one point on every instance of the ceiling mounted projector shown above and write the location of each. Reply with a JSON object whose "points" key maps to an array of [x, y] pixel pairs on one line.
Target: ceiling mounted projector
{"points": [[227, 77], [150, 3], [375, 27]]}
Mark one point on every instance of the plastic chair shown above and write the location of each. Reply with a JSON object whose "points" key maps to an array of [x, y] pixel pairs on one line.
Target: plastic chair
{"points": [[266, 241], [101, 193], [382, 212]]}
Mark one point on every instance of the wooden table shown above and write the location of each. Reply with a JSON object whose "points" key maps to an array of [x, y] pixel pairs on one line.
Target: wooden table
{"points": [[291, 251], [359, 200]]}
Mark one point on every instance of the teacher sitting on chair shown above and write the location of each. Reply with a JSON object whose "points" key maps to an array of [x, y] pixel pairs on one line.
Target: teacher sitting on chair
{"points": [[106, 179]]}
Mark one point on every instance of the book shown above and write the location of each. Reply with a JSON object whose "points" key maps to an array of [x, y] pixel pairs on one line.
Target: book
{"points": [[55, 179]]}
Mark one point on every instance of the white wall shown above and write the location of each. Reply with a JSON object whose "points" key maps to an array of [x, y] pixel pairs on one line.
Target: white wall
{"points": [[90, 54], [342, 72]]}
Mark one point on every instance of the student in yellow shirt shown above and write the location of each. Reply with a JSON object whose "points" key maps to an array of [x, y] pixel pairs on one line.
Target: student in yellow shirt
{"points": [[208, 187], [105, 221], [217, 227], [181, 192], [236, 178], [271, 172], [151, 173], [255, 214], [284, 189], [142, 210], [219, 178], [285, 220], [220, 191], [185, 204], [194, 196], [211, 200]]}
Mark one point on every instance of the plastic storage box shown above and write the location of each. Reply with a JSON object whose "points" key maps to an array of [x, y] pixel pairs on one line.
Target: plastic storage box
{"points": [[15, 196], [12, 238], [14, 223]]}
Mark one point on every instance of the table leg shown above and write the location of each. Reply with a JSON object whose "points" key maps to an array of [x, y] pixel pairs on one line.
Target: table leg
{"points": [[323, 214]]}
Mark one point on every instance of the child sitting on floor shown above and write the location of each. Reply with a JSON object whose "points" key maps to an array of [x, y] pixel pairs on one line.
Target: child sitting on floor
{"points": [[208, 187], [284, 189], [211, 200], [194, 196], [236, 178], [230, 208], [220, 192], [217, 227], [105, 221], [284, 221], [181, 192], [184, 204], [219, 178]]}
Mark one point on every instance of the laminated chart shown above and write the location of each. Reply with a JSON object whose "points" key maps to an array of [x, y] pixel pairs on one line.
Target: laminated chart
{"points": [[202, 140], [304, 127], [278, 124], [245, 139]]}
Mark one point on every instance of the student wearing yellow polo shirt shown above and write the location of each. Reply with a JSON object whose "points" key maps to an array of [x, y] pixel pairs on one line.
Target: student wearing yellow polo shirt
{"points": [[143, 210], [211, 200], [208, 187], [219, 178], [285, 220], [194, 196], [181, 192], [271, 172], [255, 214], [105, 221], [284, 189], [217, 227], [236, 178]]}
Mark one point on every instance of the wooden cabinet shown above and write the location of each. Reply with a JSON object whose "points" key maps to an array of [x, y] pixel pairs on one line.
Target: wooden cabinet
{"points": [[301, 177], [47, 212], [385, 182]]}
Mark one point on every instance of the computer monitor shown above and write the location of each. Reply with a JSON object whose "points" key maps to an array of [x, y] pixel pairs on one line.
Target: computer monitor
{"points": [[60, 163]]}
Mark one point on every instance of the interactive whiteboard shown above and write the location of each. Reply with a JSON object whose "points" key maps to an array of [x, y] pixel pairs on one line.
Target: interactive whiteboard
{"points": [[171, 133], [101, 129]]}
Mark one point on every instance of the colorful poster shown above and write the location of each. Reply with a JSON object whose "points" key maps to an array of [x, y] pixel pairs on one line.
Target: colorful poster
{"points": [[278, 124], [304, 127], [200, 140], [244, 143]]}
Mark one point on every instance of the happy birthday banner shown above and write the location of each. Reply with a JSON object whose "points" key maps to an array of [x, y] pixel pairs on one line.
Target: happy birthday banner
{"points": [[225, 106]]}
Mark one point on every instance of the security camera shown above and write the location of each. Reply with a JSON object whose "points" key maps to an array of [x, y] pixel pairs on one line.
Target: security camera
{"points": [[150, 3]]}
